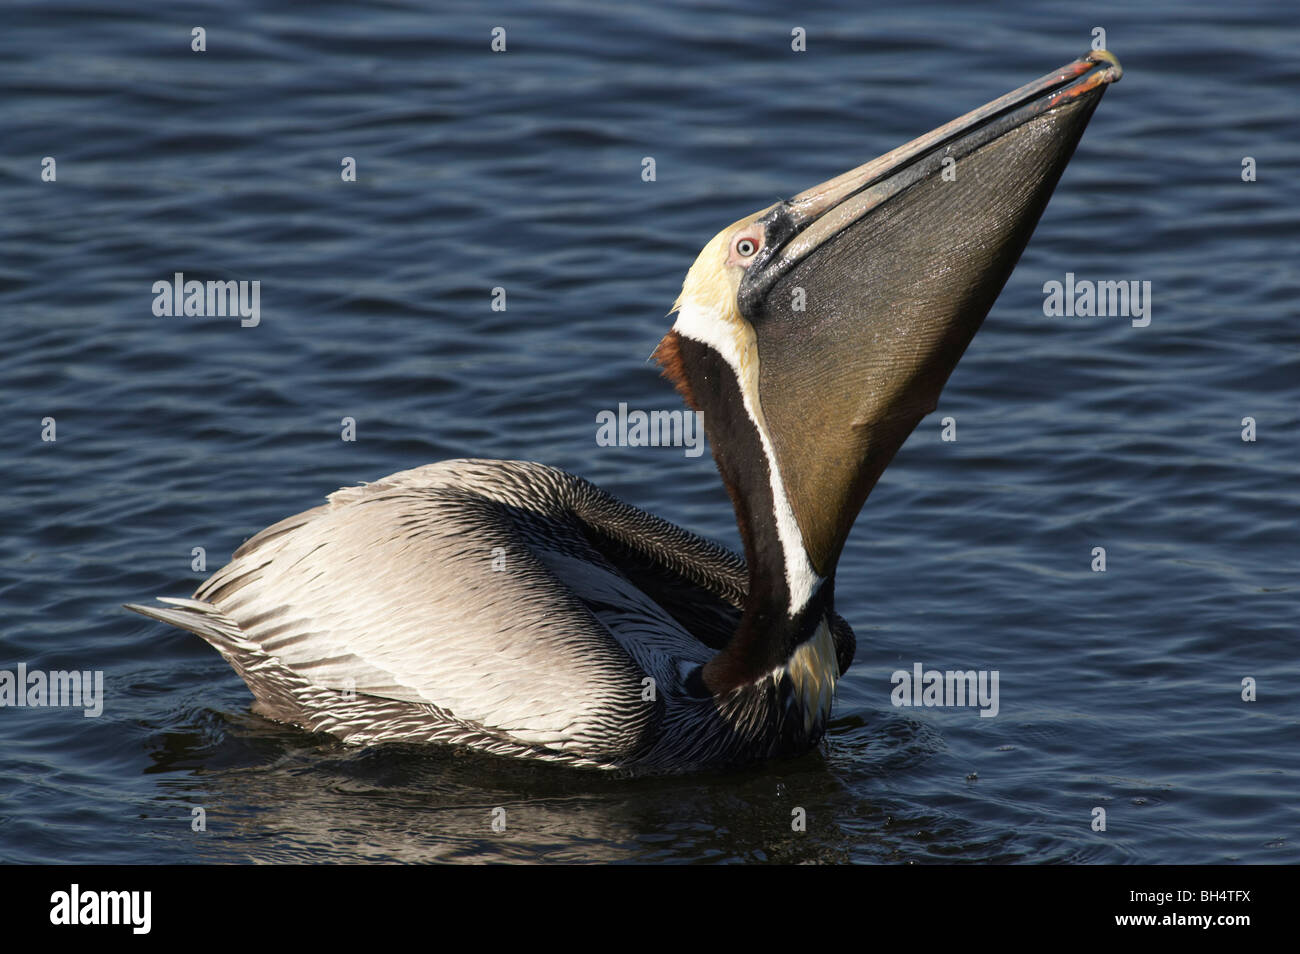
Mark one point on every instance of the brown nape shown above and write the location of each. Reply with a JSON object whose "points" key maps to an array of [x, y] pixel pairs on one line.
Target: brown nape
{"points": [[669, 356]]}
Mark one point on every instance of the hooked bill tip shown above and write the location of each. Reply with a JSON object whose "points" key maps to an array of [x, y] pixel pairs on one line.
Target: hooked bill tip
{"points": [[1114, 69]]}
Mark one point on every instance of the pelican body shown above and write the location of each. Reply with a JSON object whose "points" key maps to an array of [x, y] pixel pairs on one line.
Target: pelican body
{"points": [[519, 610]]}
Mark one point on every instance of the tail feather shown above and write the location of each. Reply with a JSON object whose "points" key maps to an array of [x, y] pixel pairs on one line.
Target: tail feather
{"points": [[275, 689], [202, 619]]}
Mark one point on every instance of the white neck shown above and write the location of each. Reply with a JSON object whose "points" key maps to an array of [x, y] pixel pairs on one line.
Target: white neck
{"points": [[734, 340]]}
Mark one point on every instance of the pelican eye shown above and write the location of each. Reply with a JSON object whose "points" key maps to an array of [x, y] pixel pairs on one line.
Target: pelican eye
{"points": [[746, 247]]}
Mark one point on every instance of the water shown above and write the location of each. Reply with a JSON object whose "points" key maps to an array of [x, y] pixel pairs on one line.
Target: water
{"points": [[522, 170]]}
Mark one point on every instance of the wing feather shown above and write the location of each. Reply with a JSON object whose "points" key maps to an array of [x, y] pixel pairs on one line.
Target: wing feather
{"points": [[509, 594]]}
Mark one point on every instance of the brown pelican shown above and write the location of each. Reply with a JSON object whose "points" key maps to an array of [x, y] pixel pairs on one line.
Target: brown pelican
{"points": [[517, 609]]}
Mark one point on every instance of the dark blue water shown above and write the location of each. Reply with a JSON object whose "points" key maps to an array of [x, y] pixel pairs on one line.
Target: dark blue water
{"points": [[1120, 690]]}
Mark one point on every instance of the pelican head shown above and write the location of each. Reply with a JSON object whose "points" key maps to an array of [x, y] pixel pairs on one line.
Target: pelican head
{"points": [[816, 333]]}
